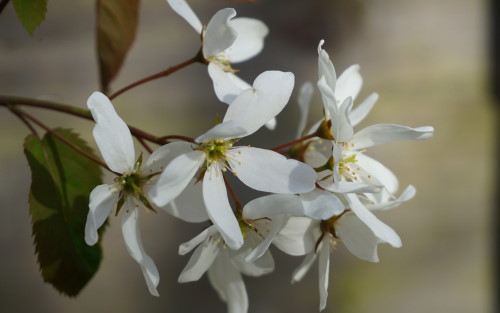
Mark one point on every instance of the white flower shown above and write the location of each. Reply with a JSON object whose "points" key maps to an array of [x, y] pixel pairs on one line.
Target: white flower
{"points": [[304, 100], [260, 221], [347, 85], [127, 193], [214, 153], [224, 267], [317, 237], [347, 170], [226, 40]]}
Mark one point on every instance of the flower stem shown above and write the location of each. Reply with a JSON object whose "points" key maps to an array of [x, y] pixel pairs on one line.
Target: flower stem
{"points": [[232, 193], [26, 122], [144, 144], [291, 143], [164, 73], [64, 108], [169, 137], [62, 139]]}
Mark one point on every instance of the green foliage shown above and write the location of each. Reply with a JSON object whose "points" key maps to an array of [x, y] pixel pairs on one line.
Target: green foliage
{"points": [[31, 13], [62, 180], [116, 28]]}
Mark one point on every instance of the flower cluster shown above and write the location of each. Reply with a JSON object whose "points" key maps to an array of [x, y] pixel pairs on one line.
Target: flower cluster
{"points": [[327, 191]]}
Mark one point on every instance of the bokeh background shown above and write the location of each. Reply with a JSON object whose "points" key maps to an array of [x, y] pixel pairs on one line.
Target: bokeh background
{"points": [[428, 61]]}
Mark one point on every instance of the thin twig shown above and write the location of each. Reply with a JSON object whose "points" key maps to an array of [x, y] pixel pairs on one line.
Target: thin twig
{"points": [[184, 138], [161, 74], [26, 122], [64, 140], [293, 142], [64, 108], [232, 193], [144, 144]]}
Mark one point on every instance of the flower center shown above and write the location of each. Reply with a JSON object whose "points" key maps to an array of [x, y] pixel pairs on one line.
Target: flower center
{"points": [[226, 64], [328, 229], [131, 181], [259, 226], [216, 149], [328, 226], [132, 184]]}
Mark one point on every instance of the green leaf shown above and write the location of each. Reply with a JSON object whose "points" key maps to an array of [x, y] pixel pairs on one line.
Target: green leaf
{"points": [[31, 13], [116, 28], [62, 180]]}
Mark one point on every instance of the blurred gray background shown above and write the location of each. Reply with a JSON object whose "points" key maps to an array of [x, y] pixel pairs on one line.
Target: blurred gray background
{"points": [[426, 59]]}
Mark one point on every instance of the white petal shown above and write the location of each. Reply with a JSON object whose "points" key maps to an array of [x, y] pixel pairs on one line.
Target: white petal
{"points": [[318, 155], [272, 204], [176, 176], [324, 272], [263, 265], [321, 205], [278, 221], [379, 171], [191, 244], [189, 205], [269, 171], [227, 85], [297, 236], [184, 10], [337, 158], [200, 261], [219, 34], [159, 159], [216, 275], [330, 107], [361, 111], [357, 237], [325, 67], [227, 130], [350, 187], [271, 124], [133, 241], [111, 134], [256, 106], [226, 279], [304, 267], [380, 229], [343, 130], [382, 133], [103, 199], [304, 101], [255, 268], [249, 41], [218, 208], [408, 194], [349, 83]]}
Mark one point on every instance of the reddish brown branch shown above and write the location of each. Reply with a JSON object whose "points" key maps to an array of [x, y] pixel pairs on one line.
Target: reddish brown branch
{"points": [[144, 144], [232, 193], [291, 143], [166, 139], [161, 74], [64, 108], [26, 122], [64, 140]]}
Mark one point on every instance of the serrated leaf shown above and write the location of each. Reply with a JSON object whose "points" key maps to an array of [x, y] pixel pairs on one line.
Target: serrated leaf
{"points": [[31, 13], [62, 180], [116, 28]]}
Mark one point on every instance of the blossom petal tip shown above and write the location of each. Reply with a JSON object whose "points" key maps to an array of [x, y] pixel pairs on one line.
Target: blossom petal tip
{"points": [[91, 239]]}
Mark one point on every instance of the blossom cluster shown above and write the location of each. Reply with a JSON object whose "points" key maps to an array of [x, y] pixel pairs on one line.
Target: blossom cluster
{"points": [[328, 190]]}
